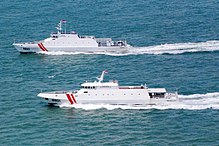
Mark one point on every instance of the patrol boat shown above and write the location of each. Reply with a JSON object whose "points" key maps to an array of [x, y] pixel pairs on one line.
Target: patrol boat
{"points": [[71, 42], [99, 92]]}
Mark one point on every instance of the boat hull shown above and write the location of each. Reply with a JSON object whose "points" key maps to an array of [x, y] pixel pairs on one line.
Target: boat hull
{"points": [[131, 97], [25, 48]]}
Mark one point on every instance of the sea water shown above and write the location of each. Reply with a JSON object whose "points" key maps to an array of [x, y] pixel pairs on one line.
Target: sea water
{"points": [[175, 45]]}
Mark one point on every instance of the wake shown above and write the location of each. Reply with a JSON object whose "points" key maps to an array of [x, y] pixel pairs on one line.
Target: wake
{"points": [[178, 48], [189, 102]]}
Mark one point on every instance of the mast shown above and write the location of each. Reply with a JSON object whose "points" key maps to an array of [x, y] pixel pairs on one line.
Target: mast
{"points": [[100, 79], [65, 28], [59, 28]]}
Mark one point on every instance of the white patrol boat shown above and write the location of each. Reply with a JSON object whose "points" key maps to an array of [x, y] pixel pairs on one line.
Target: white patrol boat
{"points": [[99, 92], [71, 42]]}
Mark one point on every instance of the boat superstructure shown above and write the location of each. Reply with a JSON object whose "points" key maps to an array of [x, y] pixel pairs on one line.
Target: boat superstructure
{"points": [[100, 92], [71, 42]]}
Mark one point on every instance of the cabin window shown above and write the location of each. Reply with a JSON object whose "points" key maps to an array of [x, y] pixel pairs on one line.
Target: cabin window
{"points": [[85, 91], [157, 95], [88, 87], [105, 86]]}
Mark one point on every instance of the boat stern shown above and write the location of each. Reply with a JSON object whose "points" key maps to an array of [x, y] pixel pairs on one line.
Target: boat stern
{"points": [[172, 96]]}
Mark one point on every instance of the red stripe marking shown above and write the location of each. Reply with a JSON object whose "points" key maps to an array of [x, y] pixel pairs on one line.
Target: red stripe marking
{"points": [[73, 98], [41, 47], [69, 98], [44, 47]]}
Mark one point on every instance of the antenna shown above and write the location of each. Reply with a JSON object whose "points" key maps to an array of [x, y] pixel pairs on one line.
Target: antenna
{"points": [[59, 27], [70, 28], [65, 28]]}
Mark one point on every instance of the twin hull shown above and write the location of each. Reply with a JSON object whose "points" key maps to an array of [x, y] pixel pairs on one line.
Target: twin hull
{"points": [[118, 96]]}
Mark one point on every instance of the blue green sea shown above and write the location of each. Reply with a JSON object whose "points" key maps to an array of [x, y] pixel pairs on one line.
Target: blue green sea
{"points": [[176, 47]]}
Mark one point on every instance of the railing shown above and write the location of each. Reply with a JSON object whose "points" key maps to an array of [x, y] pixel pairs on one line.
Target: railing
{"points": [[84, 36], [103, 39], [131, 87], [63, 92], [171, 95], [28, 42], [108, 42]]}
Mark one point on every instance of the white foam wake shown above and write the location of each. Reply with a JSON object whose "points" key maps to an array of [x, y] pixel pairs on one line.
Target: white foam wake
{"points": [[190, 102], [177, 48]]}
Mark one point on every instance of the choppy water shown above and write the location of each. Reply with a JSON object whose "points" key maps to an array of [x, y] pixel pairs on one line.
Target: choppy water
{"points": [[175, 46]]}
